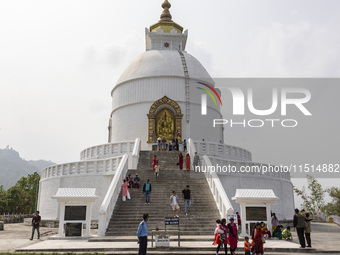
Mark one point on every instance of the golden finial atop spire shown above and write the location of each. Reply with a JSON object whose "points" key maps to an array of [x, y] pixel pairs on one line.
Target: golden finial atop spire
{"points": [[166, 13], [166, 23]]}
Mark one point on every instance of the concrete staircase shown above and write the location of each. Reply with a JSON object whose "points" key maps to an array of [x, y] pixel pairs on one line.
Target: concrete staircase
{"points": [[202, 213]]}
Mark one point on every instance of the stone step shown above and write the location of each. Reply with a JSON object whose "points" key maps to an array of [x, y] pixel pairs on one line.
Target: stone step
{"points": [[202, 213]]}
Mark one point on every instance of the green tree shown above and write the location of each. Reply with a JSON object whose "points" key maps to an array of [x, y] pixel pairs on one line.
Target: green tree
{"points": [[16, 200], [315, 200], [333, 208], [3, 200], [30, 187], [22, 197]]}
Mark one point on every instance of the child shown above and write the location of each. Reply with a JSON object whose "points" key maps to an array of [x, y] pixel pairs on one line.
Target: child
{"points": [[287, 235], [157, 168], [247, 246], [219, 231]]}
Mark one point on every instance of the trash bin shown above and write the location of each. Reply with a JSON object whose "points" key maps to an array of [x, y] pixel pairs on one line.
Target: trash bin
{"points": [[2, 223], [330, 219]]}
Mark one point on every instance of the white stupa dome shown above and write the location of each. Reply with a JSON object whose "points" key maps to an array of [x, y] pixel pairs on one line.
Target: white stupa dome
{"points": [[158, 63]]}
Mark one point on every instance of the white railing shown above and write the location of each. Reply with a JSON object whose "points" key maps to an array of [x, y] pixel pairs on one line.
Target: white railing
{"points": [[251, 166], [223, 203], [216, 187], [135, 154], [107, 150], [102, 166], [111, 196], [222, 150]]}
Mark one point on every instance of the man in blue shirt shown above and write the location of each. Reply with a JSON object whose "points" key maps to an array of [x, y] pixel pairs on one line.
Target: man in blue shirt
{"points": [[147, 191], [142, 234]]}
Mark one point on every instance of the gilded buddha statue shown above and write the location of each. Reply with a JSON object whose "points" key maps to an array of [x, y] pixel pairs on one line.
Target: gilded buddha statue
{"points": [[165, 125]]}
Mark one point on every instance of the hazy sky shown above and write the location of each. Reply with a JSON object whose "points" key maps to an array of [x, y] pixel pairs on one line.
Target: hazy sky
{"points": [[60, 59]]}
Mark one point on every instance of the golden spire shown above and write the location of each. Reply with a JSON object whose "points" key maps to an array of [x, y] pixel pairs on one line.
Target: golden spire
{"points": [[166, 13], [166, 23]]}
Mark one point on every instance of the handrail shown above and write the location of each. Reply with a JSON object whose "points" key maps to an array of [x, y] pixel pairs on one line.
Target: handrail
{"points": [[111, 196], [225, 150], [107, 150], [216, 188], [135, 153], [222, 201]]}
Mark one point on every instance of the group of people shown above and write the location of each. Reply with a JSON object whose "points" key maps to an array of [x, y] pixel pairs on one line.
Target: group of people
{"points": [[173, 145], [174, 203], [226, 234], [302, 223], [129, 183], [181, 160], [187, 161]]}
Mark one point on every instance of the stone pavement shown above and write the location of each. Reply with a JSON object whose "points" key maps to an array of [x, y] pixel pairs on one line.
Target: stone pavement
{"points": [[15, 237]]}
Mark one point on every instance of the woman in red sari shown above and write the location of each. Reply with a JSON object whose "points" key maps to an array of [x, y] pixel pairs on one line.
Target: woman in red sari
{"points": [[221, 228], [187, 162], [233, 236], [154, 160], [258, 239], [180, 161]]}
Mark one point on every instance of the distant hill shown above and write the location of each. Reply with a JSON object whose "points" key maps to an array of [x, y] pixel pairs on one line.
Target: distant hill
{"points": [[12, 167]]}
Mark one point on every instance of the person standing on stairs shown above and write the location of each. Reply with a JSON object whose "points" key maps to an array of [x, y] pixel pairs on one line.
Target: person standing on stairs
{"points": [[180, 161], [196, 160], [126, 192], [187, 162], [186, 195], [157, 168], [142, 234], [154, 160], [147, 191], [174, 204]]}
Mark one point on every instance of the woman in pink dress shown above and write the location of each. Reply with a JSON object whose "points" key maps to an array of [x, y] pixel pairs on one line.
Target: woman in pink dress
{"points": [[233, 236], [126, 190]]}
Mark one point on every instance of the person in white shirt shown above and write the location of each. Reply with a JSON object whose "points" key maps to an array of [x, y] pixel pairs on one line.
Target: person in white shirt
{"points": [[157, 168], [159, 140], [174, 204]]}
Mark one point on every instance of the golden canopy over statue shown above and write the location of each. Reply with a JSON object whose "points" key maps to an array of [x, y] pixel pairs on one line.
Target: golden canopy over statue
{"points": [[165, 125]]}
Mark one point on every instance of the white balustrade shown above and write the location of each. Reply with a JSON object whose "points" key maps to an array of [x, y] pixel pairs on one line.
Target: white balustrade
{"points": [[101, 166], [135, 153], [111, 196], [223, 150], [113, 191], [107, 150], [216, 187], [101, 159]]}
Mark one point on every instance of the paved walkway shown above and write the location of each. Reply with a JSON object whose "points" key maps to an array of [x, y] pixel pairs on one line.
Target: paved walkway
{"points": [[325, 237]]}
